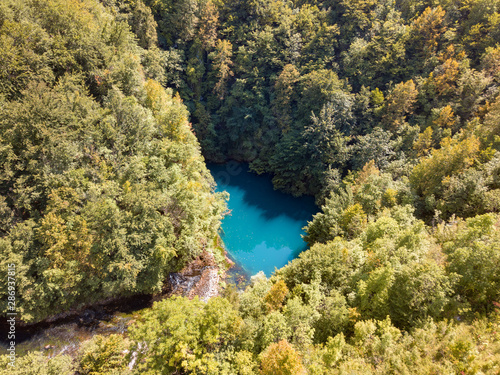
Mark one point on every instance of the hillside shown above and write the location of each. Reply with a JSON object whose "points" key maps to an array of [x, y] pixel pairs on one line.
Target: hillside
{"points": [[104, 190], [387, 112]]}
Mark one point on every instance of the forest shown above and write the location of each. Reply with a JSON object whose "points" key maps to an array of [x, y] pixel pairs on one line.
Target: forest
{"points": [[387, 112]]}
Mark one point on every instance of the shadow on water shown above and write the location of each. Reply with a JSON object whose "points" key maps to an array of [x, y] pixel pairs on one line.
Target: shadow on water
{"points": [[296, 252], [263, 231], [260, 193]]}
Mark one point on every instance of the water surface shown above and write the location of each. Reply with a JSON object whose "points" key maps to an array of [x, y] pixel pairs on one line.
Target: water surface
{"points": [[264, 227]]}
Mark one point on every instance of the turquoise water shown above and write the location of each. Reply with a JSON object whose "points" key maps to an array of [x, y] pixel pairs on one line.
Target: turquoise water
{"points": [[264, 227]]}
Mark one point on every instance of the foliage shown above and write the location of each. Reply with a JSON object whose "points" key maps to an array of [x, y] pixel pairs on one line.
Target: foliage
{"points": [[472, 249], [181, 334], [103, 355], [103, 187], [387, 112], [36, 363], [281, 359]]}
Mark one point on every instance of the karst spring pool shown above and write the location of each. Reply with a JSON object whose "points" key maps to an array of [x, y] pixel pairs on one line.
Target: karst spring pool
{"points": [[263, 231]]}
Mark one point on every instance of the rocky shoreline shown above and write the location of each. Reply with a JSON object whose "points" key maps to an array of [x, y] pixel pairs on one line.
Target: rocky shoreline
{"points": [[201, 277]]}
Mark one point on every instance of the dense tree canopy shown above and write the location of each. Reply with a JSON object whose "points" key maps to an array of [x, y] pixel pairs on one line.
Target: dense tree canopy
{"points": [[388, 112], [104, 190], [263, 84]]}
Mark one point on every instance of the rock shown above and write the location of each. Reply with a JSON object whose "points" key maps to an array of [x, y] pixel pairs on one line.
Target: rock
{"points": [[87, 318], [208, 286], [199, 278]]}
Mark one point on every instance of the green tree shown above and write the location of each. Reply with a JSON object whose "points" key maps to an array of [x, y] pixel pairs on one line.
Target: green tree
{"points": [[285, 97], [178, 333], [103, 355], [472, 253], [222, 65]]}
